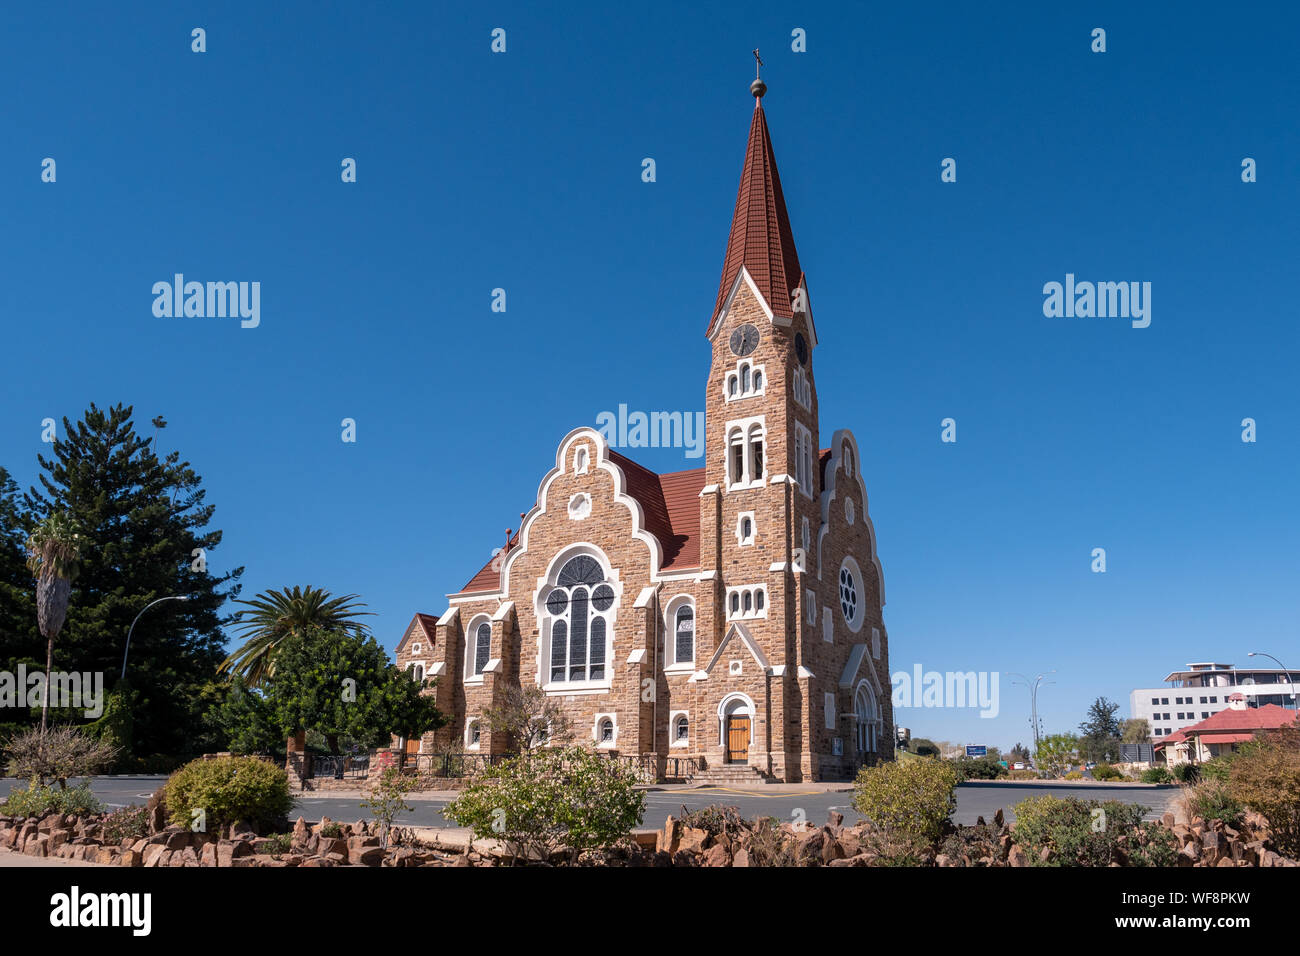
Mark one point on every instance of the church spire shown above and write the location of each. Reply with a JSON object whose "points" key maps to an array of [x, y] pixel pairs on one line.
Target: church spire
{"points": [[761, 239]]}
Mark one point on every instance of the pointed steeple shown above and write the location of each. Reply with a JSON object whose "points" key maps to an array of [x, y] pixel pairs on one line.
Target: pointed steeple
{"points": [[761, 239]]}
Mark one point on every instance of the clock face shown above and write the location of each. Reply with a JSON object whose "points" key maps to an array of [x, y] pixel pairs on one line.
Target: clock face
{"points": [[800, 348], [744, 340]]}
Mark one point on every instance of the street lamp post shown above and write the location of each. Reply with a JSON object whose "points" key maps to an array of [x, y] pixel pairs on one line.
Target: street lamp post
{"points": [[171, 597], [1285, 672], [1033, 699]]}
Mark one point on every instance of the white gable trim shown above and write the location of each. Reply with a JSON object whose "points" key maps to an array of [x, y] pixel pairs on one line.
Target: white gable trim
{"points": [[854, 664], [741, 276], [737, 630]]}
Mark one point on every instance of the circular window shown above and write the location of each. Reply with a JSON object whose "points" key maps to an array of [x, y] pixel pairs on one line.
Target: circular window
{"points": [[557, 601], [851, 594], [603, 597]]}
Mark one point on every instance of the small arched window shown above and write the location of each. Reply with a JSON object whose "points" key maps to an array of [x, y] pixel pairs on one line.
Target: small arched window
{"points": [[758, 600], [475, 734], [606, 731], [744, 378], [758, 380], [684, 634], [482, 647], [735, 602], [681, 728], [580, 461], [755, 453]]}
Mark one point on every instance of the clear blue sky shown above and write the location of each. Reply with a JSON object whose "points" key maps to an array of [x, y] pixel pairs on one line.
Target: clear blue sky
{"points": [[522, 171]]}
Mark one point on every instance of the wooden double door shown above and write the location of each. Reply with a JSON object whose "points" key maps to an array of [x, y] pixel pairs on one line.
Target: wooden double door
{"points": [[738, 738]]}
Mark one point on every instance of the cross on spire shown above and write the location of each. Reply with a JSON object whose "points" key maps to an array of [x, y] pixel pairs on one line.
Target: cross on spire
{"points": [[758, 87]]}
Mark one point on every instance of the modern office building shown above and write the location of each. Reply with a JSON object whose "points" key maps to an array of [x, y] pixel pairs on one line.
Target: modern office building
{"points": [[1202, 690]]}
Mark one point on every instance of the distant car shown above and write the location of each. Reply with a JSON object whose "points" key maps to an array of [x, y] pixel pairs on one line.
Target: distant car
{"points": [[1089, 766], [1019, 765]]}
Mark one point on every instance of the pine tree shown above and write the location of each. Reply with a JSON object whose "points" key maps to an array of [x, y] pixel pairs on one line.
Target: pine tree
{"points": [[20, 642], [144, 522]]}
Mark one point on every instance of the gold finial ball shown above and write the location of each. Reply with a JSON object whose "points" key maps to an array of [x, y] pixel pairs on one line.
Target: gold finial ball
{"points": [[758, 88]]}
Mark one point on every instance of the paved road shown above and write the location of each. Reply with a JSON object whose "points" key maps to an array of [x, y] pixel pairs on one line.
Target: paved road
{"points": [[975, 799]]}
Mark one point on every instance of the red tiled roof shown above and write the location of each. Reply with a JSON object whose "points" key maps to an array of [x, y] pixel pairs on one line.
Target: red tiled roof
{"points": [[429, 623], [1231, 722], [671, 509], [761, 239]]}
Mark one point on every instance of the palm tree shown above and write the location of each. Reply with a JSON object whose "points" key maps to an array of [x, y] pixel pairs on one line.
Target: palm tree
{"points": [[52, 554], [276, 615]]}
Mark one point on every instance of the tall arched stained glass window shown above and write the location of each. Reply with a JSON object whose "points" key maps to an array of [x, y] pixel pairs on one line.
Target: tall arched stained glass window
{"points": [[578, 608], [482, 647]]}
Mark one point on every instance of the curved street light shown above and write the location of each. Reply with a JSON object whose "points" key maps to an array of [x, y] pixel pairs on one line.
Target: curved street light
{"points": [[1285, 672], [1033, 699], [171, 597]]}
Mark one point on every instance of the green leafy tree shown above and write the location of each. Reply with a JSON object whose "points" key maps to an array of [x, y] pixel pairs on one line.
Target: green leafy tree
{"points": [[909, 801], [274, 616], [144, 527], [1135, 730], [1055, 751], [1019, 753], [53, 551], [341, 685], [1100, 732]]}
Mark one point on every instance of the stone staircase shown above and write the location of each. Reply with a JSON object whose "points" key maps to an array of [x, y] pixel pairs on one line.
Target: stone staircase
{"points": [[729, 775]]}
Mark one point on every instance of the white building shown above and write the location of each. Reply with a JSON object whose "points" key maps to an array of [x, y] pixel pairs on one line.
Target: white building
{"points": [[1194, 694]]}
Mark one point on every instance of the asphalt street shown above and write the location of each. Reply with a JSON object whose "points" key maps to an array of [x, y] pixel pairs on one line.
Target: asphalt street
{"points": [[974, 799]]}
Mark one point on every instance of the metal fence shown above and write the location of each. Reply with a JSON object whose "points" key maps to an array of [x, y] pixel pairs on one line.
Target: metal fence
{"points": [[340, 767], [650, 768]]}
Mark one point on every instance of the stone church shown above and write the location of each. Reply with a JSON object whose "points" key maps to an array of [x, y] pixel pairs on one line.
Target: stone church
{"points": [[727, 616]]}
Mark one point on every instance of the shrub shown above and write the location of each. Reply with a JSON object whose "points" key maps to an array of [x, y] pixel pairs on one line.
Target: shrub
{"points": [[911, 800], [126, 822], [1212, 800], [37, 800], [387, 799], [1023, 775], [1105, 771], [1152, 844], [561, 798], [58, 753], [1157, 775], [716, 820], [1219, 768], [979, 768], [1074, 775], [769, 844], [1078, 832], [1264, 776], [228, 789], [1186, 772], [331, 830], [278, 844]]}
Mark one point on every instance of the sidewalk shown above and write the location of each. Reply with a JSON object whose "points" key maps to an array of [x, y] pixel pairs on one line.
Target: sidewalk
{"points": [[770, 789]]}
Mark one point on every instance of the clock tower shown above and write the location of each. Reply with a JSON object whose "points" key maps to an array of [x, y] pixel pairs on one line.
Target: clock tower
{"points": [[760, 513]]}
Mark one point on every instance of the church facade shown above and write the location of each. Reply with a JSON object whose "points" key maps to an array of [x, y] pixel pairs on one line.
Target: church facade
{"points": [[730, 615]]}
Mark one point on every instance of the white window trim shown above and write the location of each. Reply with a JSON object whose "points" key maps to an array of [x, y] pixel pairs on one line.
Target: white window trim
{"points": [[859, 585], [469, 726], [544, 587], [741, 540], [417, 648], [741, 614], [610, 744], [745, 426], [672, 728], [801, 385], [829, 703], [803, 463], [734, 376], [471, 646], [671, 664]]}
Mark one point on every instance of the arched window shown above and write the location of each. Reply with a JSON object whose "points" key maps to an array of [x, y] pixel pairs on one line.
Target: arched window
{"points": [[864, 709], [681, 728], [578, 607], [580, 461], [755, 452], [758, 380], [474, 733], [417, 671], [735, 602], [736, 456], [744, 378], [758, 600], [482, 647], [684, 634], [605, 731]]}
